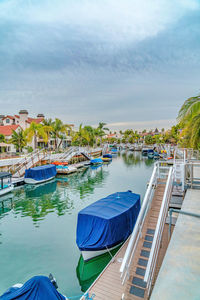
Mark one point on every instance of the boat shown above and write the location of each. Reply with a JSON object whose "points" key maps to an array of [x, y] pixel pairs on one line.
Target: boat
{"points": [[65, 169], [40, 174], [107, 223], [145, 151], [96, 161], [150, 153], [88, 271], [38, 287], [156, 155], [107, 157], [6, 183], [114, 151]]}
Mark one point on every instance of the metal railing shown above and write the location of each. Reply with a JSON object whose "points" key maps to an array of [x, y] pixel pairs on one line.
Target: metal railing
{"points": [[192, 174], [183, 212], [158, 231], [130, 251], [28, 161]]}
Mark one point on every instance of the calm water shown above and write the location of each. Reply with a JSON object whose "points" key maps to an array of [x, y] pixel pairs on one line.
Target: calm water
{"points": [[38, 223]]}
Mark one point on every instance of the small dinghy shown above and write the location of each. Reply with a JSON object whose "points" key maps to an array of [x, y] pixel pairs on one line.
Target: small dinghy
{"points": [[40, 174], [38, 287], [106, 223], [6, 185]]}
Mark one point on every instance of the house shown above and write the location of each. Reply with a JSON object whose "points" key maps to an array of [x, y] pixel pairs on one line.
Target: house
{"points": [[23, 121], [7, 130]]}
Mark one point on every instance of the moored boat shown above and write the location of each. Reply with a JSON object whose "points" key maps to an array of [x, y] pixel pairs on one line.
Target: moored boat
{"points": [[65, 169], [150, 153], [6, 185], [38, 287], [145, 151], [96, 161], [107, 157], [106, 223], [40, 174]]}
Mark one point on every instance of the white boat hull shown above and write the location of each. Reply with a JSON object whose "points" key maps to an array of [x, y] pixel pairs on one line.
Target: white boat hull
{"points": [[87, 255], [33, 181], [6, 190]]}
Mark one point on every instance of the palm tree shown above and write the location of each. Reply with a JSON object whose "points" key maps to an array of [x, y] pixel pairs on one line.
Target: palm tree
{"points": [[36, 131], [81, 136], [2, 138], [100, 132], [19, 139], [189, 109], [59, 131]]}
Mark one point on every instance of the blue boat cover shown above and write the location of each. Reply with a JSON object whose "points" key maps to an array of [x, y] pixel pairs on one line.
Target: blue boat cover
{"points": [[96, 161], [41, 173], [107, 155], [107, 222], [150, 151], [38, 287]]}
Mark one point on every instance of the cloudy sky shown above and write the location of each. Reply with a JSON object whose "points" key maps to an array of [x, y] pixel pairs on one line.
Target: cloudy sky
{"points": [[129, 63]]}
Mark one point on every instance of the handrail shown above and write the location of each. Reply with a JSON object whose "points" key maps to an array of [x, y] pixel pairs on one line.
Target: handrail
{"points": [[124, 269], [183, 212], [22, 160], [159, 230], [30, 159]]}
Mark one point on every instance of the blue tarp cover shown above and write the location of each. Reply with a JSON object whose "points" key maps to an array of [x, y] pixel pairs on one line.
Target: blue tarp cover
{"points": [[107, 222], [150, 151], [107, 155], [38, 287], [41, 173], [96, 161]]}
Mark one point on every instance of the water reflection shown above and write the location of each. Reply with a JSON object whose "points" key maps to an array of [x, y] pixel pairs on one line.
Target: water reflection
{"points": [[88, 271], [135, 158], [39, 200]]}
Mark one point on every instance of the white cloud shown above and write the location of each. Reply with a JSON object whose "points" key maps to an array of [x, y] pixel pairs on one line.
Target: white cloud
{"points": [[111, 20], [140, 125]]}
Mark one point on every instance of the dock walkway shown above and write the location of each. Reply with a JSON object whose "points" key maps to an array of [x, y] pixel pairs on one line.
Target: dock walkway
{"points": [[179, 275], [108, 285]]}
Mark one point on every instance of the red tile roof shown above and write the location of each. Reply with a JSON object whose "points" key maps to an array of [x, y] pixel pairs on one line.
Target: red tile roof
{"points": [[10, 117], [7, 129], [37, 121], [17, 116]]}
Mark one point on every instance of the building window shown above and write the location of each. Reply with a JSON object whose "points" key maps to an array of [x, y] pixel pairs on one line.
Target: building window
{"points": [[7, 120]]}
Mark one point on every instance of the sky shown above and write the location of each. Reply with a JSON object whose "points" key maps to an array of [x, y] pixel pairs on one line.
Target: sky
{"points": [[129, 63]]}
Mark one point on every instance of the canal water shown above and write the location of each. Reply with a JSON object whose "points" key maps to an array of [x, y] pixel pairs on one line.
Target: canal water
{"points": [[38, 223]]}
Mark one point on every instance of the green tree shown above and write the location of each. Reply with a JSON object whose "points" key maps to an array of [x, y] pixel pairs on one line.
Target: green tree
{"points": [[189, 109], [19, 139], [36, 131], [60, 130], [81, 137], [149, 140]]}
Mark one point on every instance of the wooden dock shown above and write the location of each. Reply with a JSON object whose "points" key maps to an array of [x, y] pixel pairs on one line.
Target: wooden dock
{"points": [[108, 285]]}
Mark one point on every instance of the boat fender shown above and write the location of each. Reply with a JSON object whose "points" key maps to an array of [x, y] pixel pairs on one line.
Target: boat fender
{"points": [[53, 280]]}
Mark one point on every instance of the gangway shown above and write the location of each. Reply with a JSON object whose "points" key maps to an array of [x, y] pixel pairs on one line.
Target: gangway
{"points": [[27, 162]]}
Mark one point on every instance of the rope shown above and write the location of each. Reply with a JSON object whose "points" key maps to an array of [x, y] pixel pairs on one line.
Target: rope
{"points": [[86, 296], [112, 257]]}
